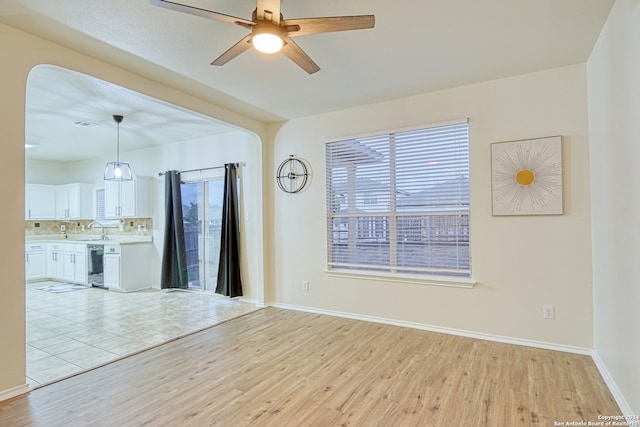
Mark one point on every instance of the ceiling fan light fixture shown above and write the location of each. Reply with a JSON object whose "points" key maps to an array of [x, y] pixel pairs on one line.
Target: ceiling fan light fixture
{"points": [[266, 41]]}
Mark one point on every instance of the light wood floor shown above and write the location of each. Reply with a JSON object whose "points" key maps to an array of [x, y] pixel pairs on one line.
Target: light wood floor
{"points": [[277, 367]]}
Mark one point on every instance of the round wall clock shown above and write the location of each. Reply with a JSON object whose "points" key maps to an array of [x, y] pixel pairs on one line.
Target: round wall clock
{"points": [[292, 175]]}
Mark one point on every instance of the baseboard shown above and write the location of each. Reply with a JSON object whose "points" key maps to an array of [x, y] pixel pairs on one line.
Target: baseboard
{"points": [[625, 408], [15, 391], [450, 331], [253, 301]]}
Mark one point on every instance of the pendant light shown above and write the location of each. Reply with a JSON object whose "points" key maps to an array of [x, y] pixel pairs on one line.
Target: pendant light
{"points": [[118, 171]]}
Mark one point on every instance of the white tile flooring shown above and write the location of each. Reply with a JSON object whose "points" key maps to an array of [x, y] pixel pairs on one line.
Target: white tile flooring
{"points": [[70, 332]]}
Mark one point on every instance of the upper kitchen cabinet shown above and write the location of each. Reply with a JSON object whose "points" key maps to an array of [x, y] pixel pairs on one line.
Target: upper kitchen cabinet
{"points": [[40, 201], [74, 201], [128, 199]]}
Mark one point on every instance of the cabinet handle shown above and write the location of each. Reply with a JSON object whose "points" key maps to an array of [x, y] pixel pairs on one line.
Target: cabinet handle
{"points": [[27, 257]]}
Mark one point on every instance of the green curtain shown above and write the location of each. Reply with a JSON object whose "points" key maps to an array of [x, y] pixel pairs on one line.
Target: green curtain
{"points": [[229, 282], [174, 254]]}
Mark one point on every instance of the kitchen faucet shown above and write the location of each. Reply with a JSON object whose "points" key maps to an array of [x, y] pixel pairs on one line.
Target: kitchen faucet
{"points": [[103, 236]]}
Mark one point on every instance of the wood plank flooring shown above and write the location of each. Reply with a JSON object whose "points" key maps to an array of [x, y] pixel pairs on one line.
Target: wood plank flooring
{"points": [[278, 367]]}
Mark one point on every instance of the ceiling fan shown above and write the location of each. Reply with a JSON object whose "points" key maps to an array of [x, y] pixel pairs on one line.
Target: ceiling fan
{"points": [[271, 33]]}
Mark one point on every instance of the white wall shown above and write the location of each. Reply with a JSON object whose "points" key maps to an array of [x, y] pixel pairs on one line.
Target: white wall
{"points": [[43, 172], [520, 263], [614, 134]]}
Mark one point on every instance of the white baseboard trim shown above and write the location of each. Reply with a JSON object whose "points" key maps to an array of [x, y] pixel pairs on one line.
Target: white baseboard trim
{"points": [[253, 301], [15, 391], [439, 329], [613, 387]]}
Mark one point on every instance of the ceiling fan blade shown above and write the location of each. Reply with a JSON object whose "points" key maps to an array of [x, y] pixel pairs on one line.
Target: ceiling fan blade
{"points": [[295, 53], [235, 50], [328, 25], [202, 13], [269, 10]]}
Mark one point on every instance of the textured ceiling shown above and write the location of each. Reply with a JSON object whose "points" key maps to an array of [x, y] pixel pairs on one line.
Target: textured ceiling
{"points": [[417, 46]]}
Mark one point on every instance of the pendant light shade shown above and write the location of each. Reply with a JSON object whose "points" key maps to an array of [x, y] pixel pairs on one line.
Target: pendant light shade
{"points": [[118, 171]]}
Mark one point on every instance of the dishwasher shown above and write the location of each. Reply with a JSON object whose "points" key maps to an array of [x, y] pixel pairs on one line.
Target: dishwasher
{"points": [[95, 265]]}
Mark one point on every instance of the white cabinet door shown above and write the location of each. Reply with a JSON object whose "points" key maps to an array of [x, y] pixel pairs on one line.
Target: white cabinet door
{"points": [[35, 262], [111, 199], [128, 199], [68, 267], [112, 271], [40, 201], [80, 268], [74, 268], [54, 261], [74, 201], [62, 202]]}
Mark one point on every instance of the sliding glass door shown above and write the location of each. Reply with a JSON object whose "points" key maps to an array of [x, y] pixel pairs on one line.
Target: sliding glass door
{"points": [[202, 213]]}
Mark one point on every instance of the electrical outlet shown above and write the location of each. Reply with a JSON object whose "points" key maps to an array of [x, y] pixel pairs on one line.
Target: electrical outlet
{"points": [[547, 312], [305, 285]]}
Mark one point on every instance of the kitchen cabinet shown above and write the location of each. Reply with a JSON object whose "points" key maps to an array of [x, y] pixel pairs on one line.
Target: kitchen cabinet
{"points": [[128, 199], [55, 258], [74, 201], [40, 201], [74, 269], [125, 266], [111, 261], [35, 261]]}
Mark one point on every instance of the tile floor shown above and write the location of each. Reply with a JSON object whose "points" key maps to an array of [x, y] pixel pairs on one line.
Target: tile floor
{"points": [[70, 332]]}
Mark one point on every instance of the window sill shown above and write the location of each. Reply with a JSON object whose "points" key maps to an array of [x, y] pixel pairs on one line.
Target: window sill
{"points": [[452, 282]]}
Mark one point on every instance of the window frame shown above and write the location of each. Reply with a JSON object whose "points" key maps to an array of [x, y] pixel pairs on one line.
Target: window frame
{"points": [[383, 271]]}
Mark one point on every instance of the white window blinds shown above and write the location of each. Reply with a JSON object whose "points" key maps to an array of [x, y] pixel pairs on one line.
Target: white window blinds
{"points": [[399, 202]]}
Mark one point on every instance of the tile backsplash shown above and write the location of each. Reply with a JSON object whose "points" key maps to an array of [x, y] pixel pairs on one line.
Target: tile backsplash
{"points": [[130, 227]]}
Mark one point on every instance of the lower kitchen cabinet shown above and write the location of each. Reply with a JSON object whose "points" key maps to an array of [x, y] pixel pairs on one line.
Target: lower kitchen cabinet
{"points": [[111, 262], [55, 261], [125, 266], [74, 269], [35, 261]]}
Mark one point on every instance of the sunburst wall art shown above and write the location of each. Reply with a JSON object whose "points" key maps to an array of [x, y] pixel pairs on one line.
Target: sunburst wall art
{"points": [[526, 177]]}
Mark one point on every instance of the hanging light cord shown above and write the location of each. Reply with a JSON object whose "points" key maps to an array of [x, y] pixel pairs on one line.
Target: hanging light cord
{"points": [[118, 119], [118, 143]]}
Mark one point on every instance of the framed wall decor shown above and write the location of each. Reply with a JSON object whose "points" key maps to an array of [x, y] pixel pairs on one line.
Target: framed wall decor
{"points": [[526, 177]]}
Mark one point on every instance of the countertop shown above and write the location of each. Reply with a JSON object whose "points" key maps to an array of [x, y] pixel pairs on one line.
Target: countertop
{"points": [[89, 239]]}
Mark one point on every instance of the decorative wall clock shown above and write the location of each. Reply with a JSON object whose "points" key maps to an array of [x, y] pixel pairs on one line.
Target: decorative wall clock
{"points": [[292, 175], [526, 177]]}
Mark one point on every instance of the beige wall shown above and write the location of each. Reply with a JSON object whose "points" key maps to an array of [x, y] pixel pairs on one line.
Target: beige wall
{"points": [[520, 263], [614, 129], [21, 52]]}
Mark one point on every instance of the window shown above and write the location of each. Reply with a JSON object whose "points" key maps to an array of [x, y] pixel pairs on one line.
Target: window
{"points": [[419, 223], [100, 210]]}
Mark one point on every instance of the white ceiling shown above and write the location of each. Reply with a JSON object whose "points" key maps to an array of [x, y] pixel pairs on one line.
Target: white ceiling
{"points": [[69, 117], [417, 46]]}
